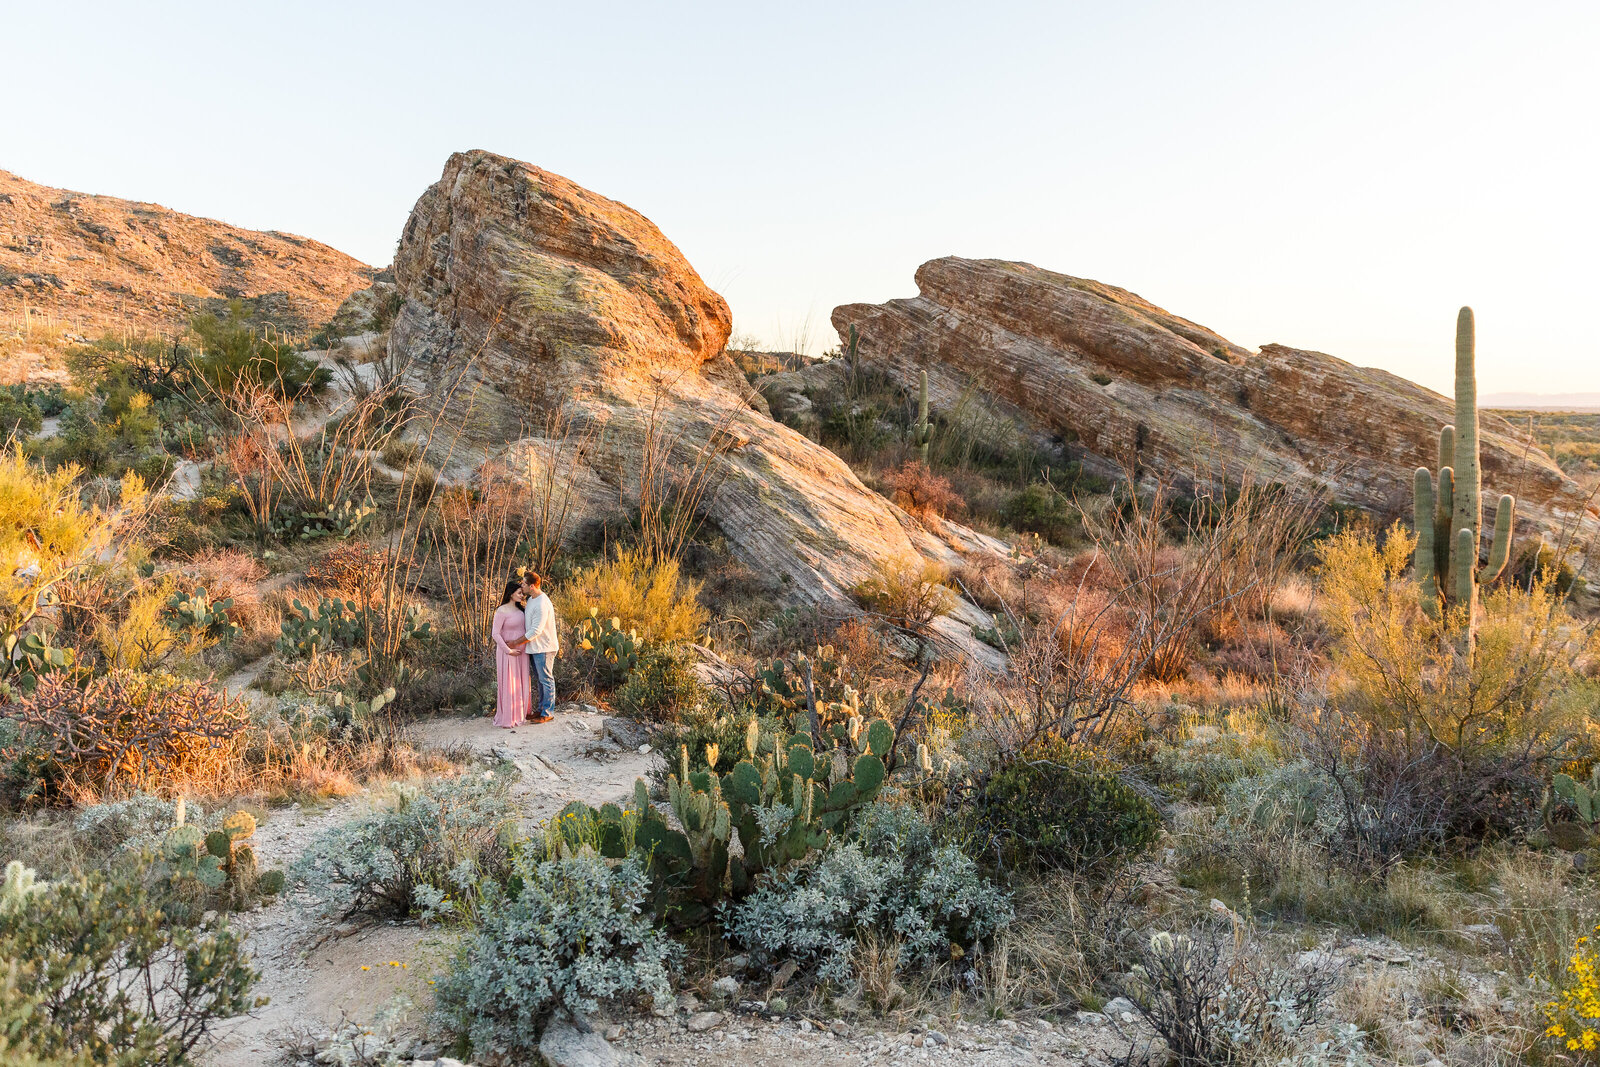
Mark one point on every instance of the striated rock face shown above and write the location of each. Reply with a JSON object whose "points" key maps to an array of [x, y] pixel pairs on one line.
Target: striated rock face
{"points": [[1109, 376], [99, 263], [572, 301]]}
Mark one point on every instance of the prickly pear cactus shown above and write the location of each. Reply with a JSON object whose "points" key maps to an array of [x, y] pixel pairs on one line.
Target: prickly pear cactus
{"points": [[1571, 811]]}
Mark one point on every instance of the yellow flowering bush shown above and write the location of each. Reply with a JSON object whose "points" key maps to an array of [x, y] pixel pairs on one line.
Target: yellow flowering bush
{"points": [[1575, 1015]]}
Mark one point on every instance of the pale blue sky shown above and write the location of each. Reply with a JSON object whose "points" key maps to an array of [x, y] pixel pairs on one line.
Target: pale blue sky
{"points": [[1330, 176]]}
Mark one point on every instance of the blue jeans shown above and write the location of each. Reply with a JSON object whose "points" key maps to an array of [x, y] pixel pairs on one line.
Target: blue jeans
{"points": [[542, 666]]}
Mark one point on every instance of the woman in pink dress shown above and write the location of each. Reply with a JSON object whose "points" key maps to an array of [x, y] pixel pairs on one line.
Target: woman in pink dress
{"points": [[513, 702]]}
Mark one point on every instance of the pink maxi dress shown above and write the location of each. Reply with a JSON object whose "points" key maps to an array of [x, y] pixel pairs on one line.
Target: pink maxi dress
{"points": [[513, 703]]}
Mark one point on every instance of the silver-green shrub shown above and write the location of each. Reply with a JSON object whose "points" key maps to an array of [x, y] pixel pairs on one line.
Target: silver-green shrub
{"points": [[132, 825], [892, 876], [424, 856], [569, 933]]}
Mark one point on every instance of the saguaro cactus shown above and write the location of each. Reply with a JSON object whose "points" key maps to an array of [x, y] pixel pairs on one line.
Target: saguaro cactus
{"points": [[1449, 521], [922, 433]]}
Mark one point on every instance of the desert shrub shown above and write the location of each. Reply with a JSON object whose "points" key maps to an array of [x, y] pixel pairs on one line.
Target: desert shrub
{"points": [[123, 730], [132, 824], [402, 454], [891, 878], [106, 976], [422, 857], [910, 592], [47, 536], [921, 492], [855, 430], [662, 686], [351, 567], [566, 932], [1398, 795], [109, 434], [233, 350], [1056, 806], [18, 415], [1216, 999], [1037, 508], [651, 598], [1518, 693], [1212, 755]]}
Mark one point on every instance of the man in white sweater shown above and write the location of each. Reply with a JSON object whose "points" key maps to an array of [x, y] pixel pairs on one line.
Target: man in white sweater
{"points": [[543, 644]]}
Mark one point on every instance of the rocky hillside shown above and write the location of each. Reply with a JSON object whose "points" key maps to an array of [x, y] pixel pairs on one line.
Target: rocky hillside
{"points": [[569, 301], [1109, 377], [97, 263]]}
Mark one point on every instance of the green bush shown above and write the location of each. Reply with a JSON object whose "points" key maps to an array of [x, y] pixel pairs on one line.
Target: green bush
{"points": [[234, 349], [567, 932], [662, 686], [97, 973], [1039, 509], [421, 858], [890, 876], [1055, 806], [18, 414]]}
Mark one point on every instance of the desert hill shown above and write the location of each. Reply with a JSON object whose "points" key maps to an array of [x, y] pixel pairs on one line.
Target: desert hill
{"points": [[1109, 377], [99, 263]]}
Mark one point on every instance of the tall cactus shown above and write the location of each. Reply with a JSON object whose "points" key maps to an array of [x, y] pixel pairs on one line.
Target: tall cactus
{"points": [[922, 433], [1449, 514]]}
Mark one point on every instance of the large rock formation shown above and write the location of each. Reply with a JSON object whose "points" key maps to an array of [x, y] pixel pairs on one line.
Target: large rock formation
{"points": [[98, 263], [1113, 378], [568, 300]]}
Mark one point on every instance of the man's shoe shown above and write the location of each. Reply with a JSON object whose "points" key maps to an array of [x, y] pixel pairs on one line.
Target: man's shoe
{"points": [[540, 719]]}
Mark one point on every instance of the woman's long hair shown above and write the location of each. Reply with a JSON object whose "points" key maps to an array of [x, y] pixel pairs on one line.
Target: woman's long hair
{"points": [[511, 591]]}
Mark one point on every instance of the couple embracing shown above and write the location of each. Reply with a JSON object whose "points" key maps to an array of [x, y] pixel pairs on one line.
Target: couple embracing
{"points": [[524, 631]]}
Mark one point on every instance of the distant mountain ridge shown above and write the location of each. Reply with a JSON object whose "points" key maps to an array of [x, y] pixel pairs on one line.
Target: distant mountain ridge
{"points": [[99, 263], [1542, 401]]}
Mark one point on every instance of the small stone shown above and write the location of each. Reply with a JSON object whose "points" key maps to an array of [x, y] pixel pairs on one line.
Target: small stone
{"points": [[702, 1021], [688, 1003], [805, 1026], [644, 750], [1580, 862], [625, 732], [564, 1045], [613, 1032], [1021, 1040], [726, 987], [739, 963], [1008, 1024], [1090, 1018], [1119, 1007], [1487, 930], [838, 1027], [937, 1038]]}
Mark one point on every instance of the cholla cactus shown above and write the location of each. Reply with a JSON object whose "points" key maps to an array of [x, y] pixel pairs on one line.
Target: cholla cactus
{"points": [[20, 885], [1449, 521]]}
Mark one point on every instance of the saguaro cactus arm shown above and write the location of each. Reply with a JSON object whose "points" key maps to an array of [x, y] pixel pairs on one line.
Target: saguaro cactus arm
{"points": [[1423, 516], [1500, 549]]}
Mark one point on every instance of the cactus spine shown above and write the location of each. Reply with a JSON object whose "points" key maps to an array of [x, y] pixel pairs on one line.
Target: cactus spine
{"points": [[922, 434], [1449, 520]]}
